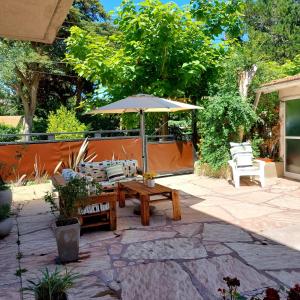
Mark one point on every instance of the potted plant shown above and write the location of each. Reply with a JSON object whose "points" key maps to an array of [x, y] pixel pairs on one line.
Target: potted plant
{"points": [[6, 222], [149, 178], [5, 193], [72, 196], [51, 286]]}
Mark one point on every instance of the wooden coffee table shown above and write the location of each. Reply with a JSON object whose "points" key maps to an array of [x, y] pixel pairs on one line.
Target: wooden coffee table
{"points": [[144, 193]]}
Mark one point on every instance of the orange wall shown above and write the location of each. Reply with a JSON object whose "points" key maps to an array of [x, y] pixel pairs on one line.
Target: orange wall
{"points": [[16, 160]]}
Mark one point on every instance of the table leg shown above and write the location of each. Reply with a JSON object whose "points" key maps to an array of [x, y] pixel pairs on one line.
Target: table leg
{"points": [[145, 213], [113, 215], [176, 205], [121, 196]]}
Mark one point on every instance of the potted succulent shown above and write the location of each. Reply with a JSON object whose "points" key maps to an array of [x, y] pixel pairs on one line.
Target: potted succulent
{"points": [[149, 179], [51, 286], [6, 222], [72, 196], [5, 193]]}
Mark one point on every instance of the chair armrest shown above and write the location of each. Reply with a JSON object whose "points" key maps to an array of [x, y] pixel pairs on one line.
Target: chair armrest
{"points": [[232, 164]]}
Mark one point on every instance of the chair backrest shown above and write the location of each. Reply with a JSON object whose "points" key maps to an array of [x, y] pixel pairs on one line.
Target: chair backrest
{"points": [[242, 154]]}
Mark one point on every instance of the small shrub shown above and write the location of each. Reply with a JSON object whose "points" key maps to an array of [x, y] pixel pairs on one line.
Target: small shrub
{"points": [[221, 122], [4, 129], [51, 286], [64, 120]]}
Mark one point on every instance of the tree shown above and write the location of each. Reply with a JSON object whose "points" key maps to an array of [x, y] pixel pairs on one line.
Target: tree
{"points": [[276, 24], [64, 120], [36, 72], [158, 49], [220, 123]]}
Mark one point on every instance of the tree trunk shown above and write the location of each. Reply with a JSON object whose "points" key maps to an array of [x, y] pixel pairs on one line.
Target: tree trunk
{"points": [[27, 90], [245, 79]]}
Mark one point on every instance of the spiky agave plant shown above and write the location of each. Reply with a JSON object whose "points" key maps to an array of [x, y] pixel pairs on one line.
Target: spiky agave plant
{"points": [[51, 285], [76, 157]]}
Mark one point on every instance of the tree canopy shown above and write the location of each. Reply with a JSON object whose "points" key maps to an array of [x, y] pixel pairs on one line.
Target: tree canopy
{"points": [[158, 49]]}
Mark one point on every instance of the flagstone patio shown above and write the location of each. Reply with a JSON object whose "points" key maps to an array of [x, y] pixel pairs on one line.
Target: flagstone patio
{"points": [[252, 233]]}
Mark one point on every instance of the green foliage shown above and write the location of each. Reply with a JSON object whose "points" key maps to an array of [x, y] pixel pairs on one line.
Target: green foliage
{"points": [[5, 129], [158, 49], [276, 24], [256, 142], [221, 121], [72, 196], [220, 17], [51, 285], [64, 120], [4, 211]]}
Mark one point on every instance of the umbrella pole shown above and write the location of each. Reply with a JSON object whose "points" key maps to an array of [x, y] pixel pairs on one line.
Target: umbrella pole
{"points": [[144, 142]]}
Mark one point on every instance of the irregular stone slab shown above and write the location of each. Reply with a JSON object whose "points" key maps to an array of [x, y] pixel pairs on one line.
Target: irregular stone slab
{"points": [[11, 292], [287, 278], [133, 236], [115, 249], [89, 287], [160, 280], [267, 257], [177, 248], [217, 249], [210, 272], [224, 233], [188, 230]]}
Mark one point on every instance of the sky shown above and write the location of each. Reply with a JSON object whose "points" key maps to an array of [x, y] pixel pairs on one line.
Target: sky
{"points": [[111, 4]]}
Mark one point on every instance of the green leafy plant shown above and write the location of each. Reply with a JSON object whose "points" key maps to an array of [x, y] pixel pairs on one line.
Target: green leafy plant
{"points": [[256, 142], [64, 120], [4, 129], [72, 195], [4, 211], [20, 271], [221, 121], [51, 285], [3, 186]]}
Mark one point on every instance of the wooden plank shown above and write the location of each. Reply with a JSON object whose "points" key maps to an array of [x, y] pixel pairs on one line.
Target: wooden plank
{"points": [[176, 205], [145, 210], [141, 188], [113, 214]]}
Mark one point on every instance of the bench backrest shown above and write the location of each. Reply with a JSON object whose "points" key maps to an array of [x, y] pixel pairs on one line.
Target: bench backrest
{"points": [[97, 170]]}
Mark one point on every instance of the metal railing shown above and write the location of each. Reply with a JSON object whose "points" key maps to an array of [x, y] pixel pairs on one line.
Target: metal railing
{"points": [[71, 136], [91, 135]]}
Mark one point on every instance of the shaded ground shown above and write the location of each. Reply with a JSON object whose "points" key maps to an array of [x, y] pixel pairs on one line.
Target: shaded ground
{"points": [[251, 233]]}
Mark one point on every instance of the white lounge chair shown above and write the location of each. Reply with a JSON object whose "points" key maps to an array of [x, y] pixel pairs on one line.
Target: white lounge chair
{"points": [[243, 164]]}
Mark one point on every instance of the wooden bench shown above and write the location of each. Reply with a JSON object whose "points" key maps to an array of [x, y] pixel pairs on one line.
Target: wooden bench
{"points": [[95, 219]]}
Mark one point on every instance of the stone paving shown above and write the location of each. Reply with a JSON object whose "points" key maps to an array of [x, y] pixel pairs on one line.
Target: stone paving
{"points": [[252, 233]]}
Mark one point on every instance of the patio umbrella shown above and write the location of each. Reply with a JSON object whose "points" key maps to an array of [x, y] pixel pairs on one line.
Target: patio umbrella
{"points": [[143, 103]]}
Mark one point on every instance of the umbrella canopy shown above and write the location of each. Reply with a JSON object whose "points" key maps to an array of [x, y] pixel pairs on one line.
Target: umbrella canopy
{"points": [[142, 103], [145, 103]]}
